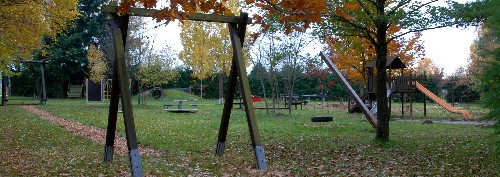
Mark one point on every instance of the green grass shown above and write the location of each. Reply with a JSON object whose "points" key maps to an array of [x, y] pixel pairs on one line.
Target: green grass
{"points": [[294, 145], [33, 147]]}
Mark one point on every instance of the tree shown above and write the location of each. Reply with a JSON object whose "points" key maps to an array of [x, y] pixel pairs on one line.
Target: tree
{"points": [[459, 87], [315, 69], [139, 48], [67, 52], [207, 47], [265, 52], [197, 44], [292, 62], [24, 23], [351, 54], [157, 68], [369, 19], [485, 63], [97, 64]]}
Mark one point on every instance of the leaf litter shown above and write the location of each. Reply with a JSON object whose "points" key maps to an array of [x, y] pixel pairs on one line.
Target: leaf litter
{"points": [[97, 135]]}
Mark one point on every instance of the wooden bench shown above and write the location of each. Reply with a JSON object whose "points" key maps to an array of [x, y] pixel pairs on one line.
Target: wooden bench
{"points": [[295, 103], [240, 104], [75, 91]]}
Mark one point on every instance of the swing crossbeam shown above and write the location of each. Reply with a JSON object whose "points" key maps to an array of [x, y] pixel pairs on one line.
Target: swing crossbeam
{"points": [[141, 12]]}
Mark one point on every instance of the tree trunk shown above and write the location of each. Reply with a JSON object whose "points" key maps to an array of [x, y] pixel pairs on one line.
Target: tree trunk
{"points": [[264, 92], [273, 90], [288, 95], [201, 88], [383, 113]]}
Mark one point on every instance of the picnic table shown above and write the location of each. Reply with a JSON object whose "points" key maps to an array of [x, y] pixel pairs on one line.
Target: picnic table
{"points": [[180, 106], [254, 99]]}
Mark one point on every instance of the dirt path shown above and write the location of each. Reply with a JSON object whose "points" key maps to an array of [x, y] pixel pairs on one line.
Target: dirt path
{"points": [[97, 135], [450, 121]]}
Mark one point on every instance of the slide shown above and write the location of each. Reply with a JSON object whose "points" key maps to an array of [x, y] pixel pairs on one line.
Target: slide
{"points": [[441, 102], [369, 116]]}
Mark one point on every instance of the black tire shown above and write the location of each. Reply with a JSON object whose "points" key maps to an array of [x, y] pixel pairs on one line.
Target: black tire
{"points": [[322, 119], [157, 93]]}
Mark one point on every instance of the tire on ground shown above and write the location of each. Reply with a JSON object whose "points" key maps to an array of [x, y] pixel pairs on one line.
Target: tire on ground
{"points": [[322, 119]]}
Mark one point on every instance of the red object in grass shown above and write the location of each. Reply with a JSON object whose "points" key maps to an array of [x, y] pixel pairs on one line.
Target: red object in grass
{"points": [[256, 99]]}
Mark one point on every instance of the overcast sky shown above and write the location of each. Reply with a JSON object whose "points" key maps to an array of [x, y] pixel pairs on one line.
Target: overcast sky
{"points": [[447, 47]]}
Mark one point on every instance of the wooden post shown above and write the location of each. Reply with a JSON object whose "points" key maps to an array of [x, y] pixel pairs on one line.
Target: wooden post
{"points": [[226, 113], [425, 107], [411, 105], [119, 26], [237, 33], [112, 115], [43, 97], [402, 104], [410, 87], [390, 101], [4, 90]]}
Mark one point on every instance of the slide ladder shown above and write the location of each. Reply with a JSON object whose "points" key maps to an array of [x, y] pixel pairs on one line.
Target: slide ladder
{"points": [[442, 103], [369, 116]]}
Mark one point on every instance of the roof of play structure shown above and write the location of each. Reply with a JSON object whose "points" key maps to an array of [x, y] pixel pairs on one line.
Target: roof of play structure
{"points": [[392, 61]]}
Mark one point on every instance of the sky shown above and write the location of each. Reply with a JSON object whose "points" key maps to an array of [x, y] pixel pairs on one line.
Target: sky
{"points": [[447, 47]]}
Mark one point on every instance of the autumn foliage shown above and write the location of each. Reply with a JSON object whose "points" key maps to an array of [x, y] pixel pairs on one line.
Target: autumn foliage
{"points": [[179, 9], [25, 23], [351, 54], [97, 64]]}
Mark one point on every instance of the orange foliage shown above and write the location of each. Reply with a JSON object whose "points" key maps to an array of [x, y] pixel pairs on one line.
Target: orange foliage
{"points": [[179, 9], [351, 54]]}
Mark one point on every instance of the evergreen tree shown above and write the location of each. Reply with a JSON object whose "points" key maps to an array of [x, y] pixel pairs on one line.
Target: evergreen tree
{"points": [[68, 57]]}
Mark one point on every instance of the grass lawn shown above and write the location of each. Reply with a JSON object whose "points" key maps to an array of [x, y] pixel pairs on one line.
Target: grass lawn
{"points": [[293, 144]]}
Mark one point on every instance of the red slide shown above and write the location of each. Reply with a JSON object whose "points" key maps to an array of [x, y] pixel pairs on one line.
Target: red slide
{"points": [[441, 102]]}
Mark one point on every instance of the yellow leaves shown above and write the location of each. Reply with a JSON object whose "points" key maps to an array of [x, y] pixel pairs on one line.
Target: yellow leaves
{"points": [[97, 64], [228, 12], [23, 25], [195, 38]]}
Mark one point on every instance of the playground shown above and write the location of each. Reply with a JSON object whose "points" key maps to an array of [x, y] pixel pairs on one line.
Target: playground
{"points": [[183, 143], [80, 116]]}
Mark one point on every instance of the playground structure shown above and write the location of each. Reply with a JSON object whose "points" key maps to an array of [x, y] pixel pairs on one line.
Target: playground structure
{"points": [[94, 92], [98, 92], [402, 84], [371, 117], [237, 27], [43, 92]]}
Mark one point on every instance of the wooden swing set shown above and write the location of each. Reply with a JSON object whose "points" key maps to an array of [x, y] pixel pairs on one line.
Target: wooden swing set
{"points": [[237, 28], [43, 91]]}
